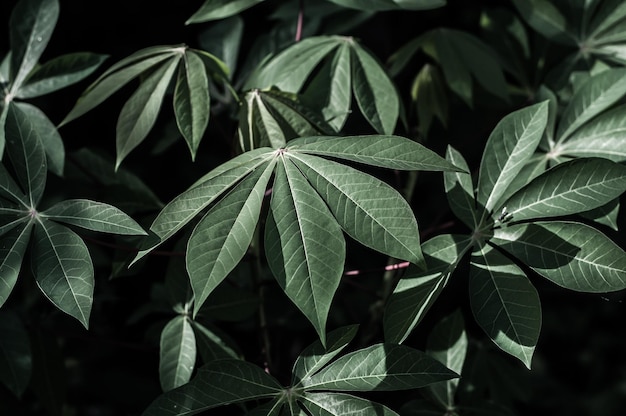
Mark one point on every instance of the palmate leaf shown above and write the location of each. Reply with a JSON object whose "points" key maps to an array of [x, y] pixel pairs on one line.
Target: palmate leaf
{"points": [[177, 353], [12, 251], [368, 210], [510, 145], [336, 404], [415, 293], [505, 303], [380, 367], [304, 244], [569, 188], [220, 9], [15, 353], [217, 383], [572, 255], [222, 237], [460, 190], [63, 269]]}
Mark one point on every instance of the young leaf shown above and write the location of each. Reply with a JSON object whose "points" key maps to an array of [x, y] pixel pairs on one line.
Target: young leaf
{"points": [[220, 9], [505, 303], [509, 146], [336, 404], [63, 269], [414, 294], [367, 209], [380, 367], [141, 110], [217, 384], [570, 254], [15, 353], [304, 245], [192, 101], [31, 26], [95, 216], [177, 353], [460, 190], [222, 237], [12, 251], [569, 188]]}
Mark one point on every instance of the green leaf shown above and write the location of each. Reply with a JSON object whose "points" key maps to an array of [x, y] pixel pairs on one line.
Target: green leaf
{"points": [[606, 214], [594, 96], [325, 404], [545, 18], [59, 73], [15, 353], [95, 216], [569, 188], [382, 5], [505, 303], [50, 137], [304, 245], [392, 152], [26, 153], [374, 92], [223, 39], [367, 209], [415, 293], [212, 345], [572, 255], [10, 190], [177, 353], [4, 110], [217, 384], [230, 304], [608, 16], [460, 190], [316, 356], [192, 101], [31, 25], [63, 269], [509, 146], [12, 248], [222, 237], [141, 110], [380, 367], [429, 95], [220, 9]]}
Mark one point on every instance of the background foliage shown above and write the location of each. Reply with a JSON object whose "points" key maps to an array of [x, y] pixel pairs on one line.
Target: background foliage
{"points": [[312, 207]]}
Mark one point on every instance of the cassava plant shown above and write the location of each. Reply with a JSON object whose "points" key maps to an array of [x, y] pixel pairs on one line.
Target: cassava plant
{"points": [[338, 207]]}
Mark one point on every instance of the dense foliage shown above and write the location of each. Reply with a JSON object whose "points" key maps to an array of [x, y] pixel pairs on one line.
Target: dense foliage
{"points": [[271, 207]]}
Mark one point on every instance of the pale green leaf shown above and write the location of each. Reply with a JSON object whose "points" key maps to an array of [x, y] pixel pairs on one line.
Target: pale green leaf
{"points": [[534, 167], [505, 303], [367, 209], [4, 68], [392, 152], [95, 216], [569, 188], [15, 353], [192, 101], [374, 92], [545, 18], [60, 72], [30, 26], [415, 293], [304, 245], [12, 248], [594, 96], [4, 110], [510, 145], [220, 9], [460, 190], [380, 367], [177, 353], [572, 255], [63, 269], [221, 239], [271, 133], [140, 112], [336, 404], [217, 384], [316, 356]]}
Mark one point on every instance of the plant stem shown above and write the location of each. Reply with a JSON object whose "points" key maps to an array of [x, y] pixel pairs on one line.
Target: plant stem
{"points": [[300, 21]]}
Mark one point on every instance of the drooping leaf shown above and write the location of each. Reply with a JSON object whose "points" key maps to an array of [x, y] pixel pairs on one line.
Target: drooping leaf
{"points": [[572, 255], [222, 237], [95, 216], [31, 25], [217, 384], [177, 353], [12, 248], [569, 188], [220, 9], [15, 353], [192, 101], [505, 303], [60, 72], [510, 145], [545, 18], [140, 112], [304, 245], [380, 367], [415, 293], [460, 190], [336, 404], [63, 269], [367, 209]]}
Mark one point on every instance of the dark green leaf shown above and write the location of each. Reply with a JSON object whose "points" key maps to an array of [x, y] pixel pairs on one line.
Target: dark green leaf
{"points": [[545, 18], [326, 404], [177, 353], [213, 345], [606, 214], [10, 190], [223, 39], [12, 248], [220, 9], [460, 190], [381, 5], [15, 355], [429, 95]]}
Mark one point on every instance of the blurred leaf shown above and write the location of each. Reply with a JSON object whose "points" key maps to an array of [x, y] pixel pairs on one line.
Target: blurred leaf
{"points": [[12, 248], [223, 39], [545, 18], [177, 353], [381, 5], [220, 9], [15, 353], [428, 93], [49, 380], [212, 344]]}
